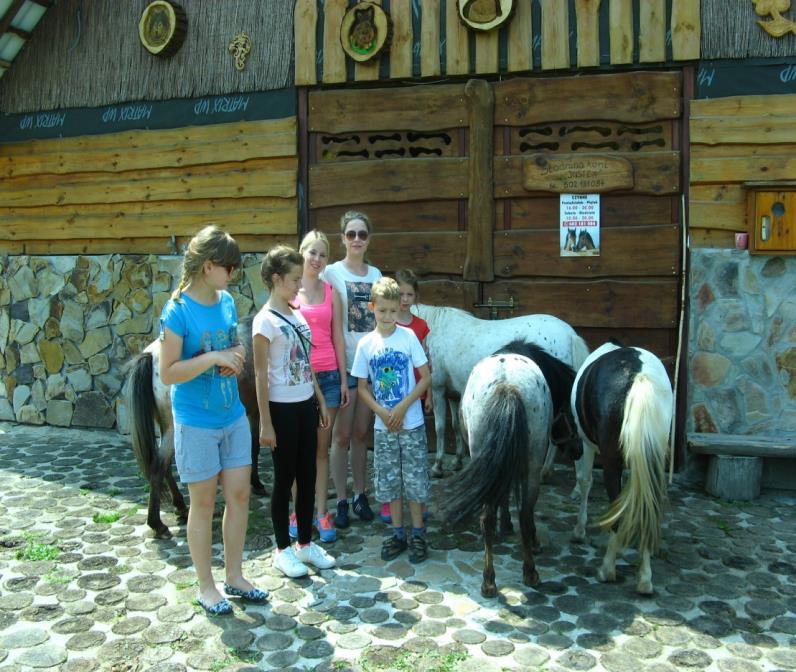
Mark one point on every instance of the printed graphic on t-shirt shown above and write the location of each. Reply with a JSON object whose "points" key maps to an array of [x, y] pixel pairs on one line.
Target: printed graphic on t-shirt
{"points": [[360, 319], [221, 340], [390, 384], [295, 360]]}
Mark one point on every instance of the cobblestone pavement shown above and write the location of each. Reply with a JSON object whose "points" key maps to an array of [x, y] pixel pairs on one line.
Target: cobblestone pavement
{"points": [[116, 599]]}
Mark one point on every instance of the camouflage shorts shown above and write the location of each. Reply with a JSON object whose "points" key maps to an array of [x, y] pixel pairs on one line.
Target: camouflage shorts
{"points": [[401, 458]]}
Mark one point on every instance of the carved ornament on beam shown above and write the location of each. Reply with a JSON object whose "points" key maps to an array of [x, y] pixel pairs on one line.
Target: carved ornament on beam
{"points": [[778, 25]]}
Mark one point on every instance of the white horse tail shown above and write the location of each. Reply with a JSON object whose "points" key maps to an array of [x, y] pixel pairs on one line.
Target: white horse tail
{"points": [[580, 351], [644, 441], [142, 413]]}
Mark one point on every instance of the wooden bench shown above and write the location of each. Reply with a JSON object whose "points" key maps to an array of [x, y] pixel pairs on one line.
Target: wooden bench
{"points": [[735, 470]]}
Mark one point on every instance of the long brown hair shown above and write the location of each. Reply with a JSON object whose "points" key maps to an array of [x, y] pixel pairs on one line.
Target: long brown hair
{"points": [[212, 243]]}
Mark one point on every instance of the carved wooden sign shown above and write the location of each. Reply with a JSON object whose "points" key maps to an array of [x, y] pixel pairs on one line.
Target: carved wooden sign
{"points": [[365, 31], [162, 27], [779, 25], [485, 15], [577, 173]]}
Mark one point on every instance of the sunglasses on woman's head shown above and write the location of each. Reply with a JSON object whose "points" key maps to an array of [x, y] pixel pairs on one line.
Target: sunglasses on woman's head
{"points": [[362, 235]]}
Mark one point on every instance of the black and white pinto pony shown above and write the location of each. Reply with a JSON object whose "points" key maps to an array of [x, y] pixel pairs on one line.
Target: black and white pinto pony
{"points": [[623, 403], [150, 403], [458, 341], [507, 411]]}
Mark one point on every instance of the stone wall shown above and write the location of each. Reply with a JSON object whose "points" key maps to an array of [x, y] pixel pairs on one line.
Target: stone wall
{"points": [[742, 349], [69, 324]]}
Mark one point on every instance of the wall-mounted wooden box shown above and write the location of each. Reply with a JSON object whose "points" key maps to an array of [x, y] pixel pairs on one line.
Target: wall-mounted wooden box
{"points": [[771, 217]]}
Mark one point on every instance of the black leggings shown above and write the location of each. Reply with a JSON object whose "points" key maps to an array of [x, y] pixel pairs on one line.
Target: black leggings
{"points": [[296, 427]]}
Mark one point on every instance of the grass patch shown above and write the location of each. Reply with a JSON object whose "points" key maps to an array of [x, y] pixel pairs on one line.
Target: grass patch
{"points": [[184, 585], [725, 527], [112, 492], [55, 576], [428, 661], [110, 517], [34, 550], [235, 656]]}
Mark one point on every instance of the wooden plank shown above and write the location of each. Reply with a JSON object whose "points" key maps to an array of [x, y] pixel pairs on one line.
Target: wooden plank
{"points": [[486, 52], [441, 252], [480, 204], [714, 238], [402, 40], [387, 180], [650, 304], [654, 173], [602, 136], [447, 292], [369, 70], [429, 39], [652, 31], [520, 37], [457, 42], [721, 151], [305, 19], [422, 108], [138, 150], [334, 63], [686, 30], [524, 252], [149, 219], [741, 444], [435, 215], [661, 342], [587, 13], [620, 20], [742, 168], [633, 97], [260, 177], [577, 173], [725, 216], [626, 210], [744, 130], [745, 106], [555, 34]]}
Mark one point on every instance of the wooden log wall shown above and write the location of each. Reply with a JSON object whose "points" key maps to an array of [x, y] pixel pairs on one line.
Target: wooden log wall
{"points": [[149, 190], [734, 140], [417, 160], [445, 46]]}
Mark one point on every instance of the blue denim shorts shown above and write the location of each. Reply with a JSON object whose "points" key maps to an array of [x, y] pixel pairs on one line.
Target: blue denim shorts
{"points": [[201, 453], [329, 382]]}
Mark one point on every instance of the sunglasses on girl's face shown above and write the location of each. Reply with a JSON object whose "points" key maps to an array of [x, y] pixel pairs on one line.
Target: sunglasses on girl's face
{"points": [[362, 235]]}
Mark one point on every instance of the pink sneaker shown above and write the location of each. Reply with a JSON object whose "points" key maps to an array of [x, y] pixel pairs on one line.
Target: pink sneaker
{"points": [[326, 529], [384, 514]]}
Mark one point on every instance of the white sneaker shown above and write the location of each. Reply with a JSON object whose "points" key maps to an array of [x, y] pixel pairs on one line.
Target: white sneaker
{"points": [[287, 563], [315, 555]]}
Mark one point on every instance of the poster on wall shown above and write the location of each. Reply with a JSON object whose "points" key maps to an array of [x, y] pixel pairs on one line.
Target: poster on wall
{"points": [[579, 215]]}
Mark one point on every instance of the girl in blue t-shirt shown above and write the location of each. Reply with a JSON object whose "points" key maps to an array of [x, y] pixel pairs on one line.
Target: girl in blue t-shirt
{"points": [[200, 357]]}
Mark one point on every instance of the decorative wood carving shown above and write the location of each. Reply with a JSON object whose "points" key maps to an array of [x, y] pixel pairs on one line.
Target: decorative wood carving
{"points": [[779, 25], [485, 15], [162, 27], [577, 173], [239, 47], [365, 31]]}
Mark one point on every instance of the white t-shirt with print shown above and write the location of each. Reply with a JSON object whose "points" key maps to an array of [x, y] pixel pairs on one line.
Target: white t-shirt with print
{"points": [[354, 291], [289, 372], [390, 364]]}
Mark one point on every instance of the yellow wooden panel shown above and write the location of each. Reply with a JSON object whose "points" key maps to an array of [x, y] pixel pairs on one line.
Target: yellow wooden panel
{"points": [[727, 216], [486, 52], [620, 17], [520, 37], [745, 106], [763, 130], [387, 180], [555, 34], [457, 48], [260, 177], [369, 70], [402, 39], [588, 25], [149, 219], [137, 150], [429, 39], [686, 30], [305, 18], [652, 31], [334, 63], [742, 168]]}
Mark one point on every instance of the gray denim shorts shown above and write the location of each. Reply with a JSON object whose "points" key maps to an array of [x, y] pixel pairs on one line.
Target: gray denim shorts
{"points": [[202, 453]]}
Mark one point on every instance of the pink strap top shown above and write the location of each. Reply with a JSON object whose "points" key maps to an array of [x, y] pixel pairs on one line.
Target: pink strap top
{"points": [[319, 317]]}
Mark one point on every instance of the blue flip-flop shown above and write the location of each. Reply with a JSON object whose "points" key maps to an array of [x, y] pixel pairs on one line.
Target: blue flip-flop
{"points": [[220, 608], [254, 595]]}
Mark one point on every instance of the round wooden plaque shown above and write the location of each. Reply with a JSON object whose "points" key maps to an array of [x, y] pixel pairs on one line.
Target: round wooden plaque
{"points": [[485, 15], [162, 27], [365, 31]]}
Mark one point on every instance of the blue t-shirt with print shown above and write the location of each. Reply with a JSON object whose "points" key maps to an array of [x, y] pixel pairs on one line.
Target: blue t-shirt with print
{"points": [[210, 400]]}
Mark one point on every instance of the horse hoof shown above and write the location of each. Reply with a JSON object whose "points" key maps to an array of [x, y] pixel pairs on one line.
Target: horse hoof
{"points": [[457, 464], [259, 489], [579, 535], [546, 476], [162, 532], [506, 530], [530, 579], [436, 471], [489, 591], [644, 588], [575, 494], [606, 576]]}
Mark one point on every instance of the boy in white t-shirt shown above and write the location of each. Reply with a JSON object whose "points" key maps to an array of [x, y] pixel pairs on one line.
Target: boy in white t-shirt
{"points": [[389, 355]]}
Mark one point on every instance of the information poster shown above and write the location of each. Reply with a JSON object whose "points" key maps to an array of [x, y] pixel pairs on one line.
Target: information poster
{"points": [[580, 225]]}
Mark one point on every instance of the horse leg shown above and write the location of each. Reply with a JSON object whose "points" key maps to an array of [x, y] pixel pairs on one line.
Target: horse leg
{"points": [[607, 571], [530, 577], [612, 475], [457, 433], [488, 520], [583, 471], [256, 484], [438, 401], [644, 584], [506, 528], [549, 461]]}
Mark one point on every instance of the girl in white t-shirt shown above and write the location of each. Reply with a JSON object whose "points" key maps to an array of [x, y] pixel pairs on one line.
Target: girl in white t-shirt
{"points": [[286, 398], [353, 278]]}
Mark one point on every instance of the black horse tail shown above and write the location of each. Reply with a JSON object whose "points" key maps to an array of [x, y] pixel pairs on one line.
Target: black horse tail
{"points": [[142, 413], [500, 464]]}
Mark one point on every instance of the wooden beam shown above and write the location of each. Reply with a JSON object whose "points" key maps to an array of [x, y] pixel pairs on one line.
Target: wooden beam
{"points": [[620, 17], [429, 39], [305, 22], [24, 34], [334, 63], [555, 34], [652, 31], [478, 263], [457, 47], [686, 29], [587, 13], [520, 39], [486, 52], [402, 40], [10, 14]]}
